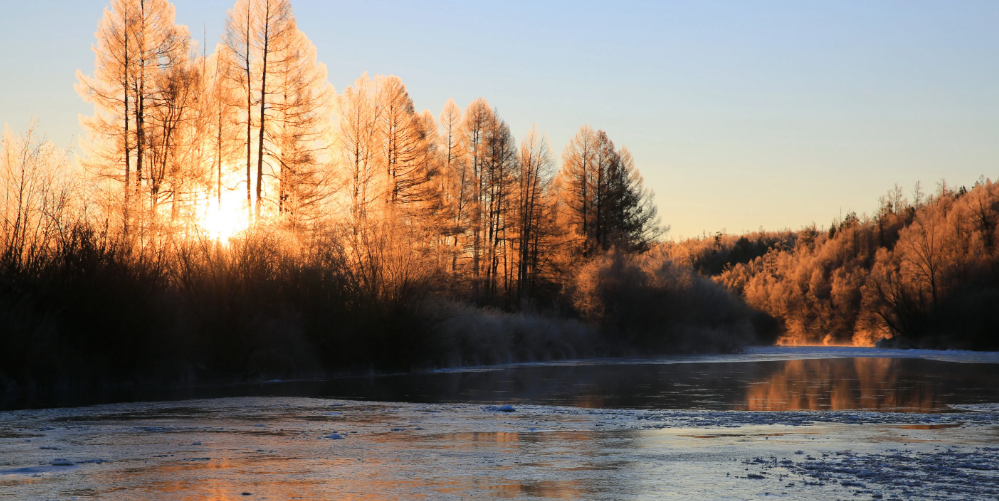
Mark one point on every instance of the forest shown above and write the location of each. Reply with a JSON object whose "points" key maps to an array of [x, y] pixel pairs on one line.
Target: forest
{"points": [[922, 272], [230, 216]]}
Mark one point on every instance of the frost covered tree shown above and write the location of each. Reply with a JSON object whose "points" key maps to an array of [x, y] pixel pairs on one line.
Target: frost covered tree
{"points": [[576, 183], [220, 113], [257, 31], [175, 145], [298, 135], [477, 123], [533, 185], [137, 42], [404, 145], [358, 119], [455, 180], [603, 196]]}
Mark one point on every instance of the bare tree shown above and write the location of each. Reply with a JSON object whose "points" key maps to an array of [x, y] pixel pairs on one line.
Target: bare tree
{"points": [[476, 124], [404, 147], [454, 176], [174, 138], [220, 113], [34, 195], [576, 180], [238, 42]]}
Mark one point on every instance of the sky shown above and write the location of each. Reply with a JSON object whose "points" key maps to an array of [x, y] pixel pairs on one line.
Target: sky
{"points": [[740, 115]]}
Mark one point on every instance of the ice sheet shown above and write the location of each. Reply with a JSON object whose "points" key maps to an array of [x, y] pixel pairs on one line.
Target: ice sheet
{"points": [[280, 448]]}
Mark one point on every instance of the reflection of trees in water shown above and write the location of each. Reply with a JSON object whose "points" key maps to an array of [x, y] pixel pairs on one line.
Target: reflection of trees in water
{"points": [[823, 384], [270, 477], [548, 449], [669, 386], [843, 384]]}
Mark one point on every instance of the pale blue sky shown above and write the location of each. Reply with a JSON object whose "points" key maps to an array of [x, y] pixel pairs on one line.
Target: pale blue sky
{"points": [[739, 114]]}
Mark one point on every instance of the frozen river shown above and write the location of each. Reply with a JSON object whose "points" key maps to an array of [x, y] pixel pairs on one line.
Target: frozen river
{"points": [[797, 423]]}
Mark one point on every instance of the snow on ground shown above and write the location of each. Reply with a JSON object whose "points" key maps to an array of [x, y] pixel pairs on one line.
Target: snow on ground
{"points": [[286, 448]]}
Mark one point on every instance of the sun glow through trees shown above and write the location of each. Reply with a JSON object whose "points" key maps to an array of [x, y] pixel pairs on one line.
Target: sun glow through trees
{"points": [[224, 216]]}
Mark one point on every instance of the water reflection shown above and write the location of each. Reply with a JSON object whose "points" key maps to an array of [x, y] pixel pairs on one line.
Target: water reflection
{"points": [[879, 384], [882, 384], [485, 464]]}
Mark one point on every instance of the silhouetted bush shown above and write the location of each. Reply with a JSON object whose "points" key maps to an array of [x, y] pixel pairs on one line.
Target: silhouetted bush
{"points": [[96, 312], [86, 308]]}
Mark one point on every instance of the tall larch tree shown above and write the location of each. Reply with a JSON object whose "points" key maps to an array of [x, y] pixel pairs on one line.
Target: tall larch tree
{"points": [[535, 174], [238, 46], [299, 135], [404, 145], [576, 180], [477, 123], [358, 119], [275, 25], [454, 177], [501, 171], [137, 41], [220, 112], [603, 196], [256, 32]]}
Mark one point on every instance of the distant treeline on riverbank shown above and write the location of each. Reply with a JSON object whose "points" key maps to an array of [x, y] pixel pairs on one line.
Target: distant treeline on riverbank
{"points": [[920, 272]]}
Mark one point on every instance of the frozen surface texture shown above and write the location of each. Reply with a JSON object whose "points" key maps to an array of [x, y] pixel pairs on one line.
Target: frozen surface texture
{"points": [[306, 448]]}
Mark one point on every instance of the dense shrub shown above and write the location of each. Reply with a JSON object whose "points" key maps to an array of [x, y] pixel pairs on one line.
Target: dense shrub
{"points": [[96, 312], [649, 304]]}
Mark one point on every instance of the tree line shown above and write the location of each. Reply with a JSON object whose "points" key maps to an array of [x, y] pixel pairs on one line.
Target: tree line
{"points": [[174, 132], [923, 271]]}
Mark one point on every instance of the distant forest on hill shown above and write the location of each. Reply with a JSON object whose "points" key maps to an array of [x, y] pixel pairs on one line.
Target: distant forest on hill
{"points": [[922, 272], [231, 217]]}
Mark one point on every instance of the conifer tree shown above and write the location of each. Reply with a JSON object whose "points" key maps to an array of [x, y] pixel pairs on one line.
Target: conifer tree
{"points": [[576, 180], [358, 118], [454, 178], [137, 41], [536, 166], [604, 196], [256, 33], [299, 135], [477, 123]]}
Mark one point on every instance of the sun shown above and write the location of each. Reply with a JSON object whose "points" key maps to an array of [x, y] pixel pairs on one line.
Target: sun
{"points": [[224, 220]]}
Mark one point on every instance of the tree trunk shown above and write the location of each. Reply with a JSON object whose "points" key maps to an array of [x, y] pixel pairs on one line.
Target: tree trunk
{"points": [[263, 109]]}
